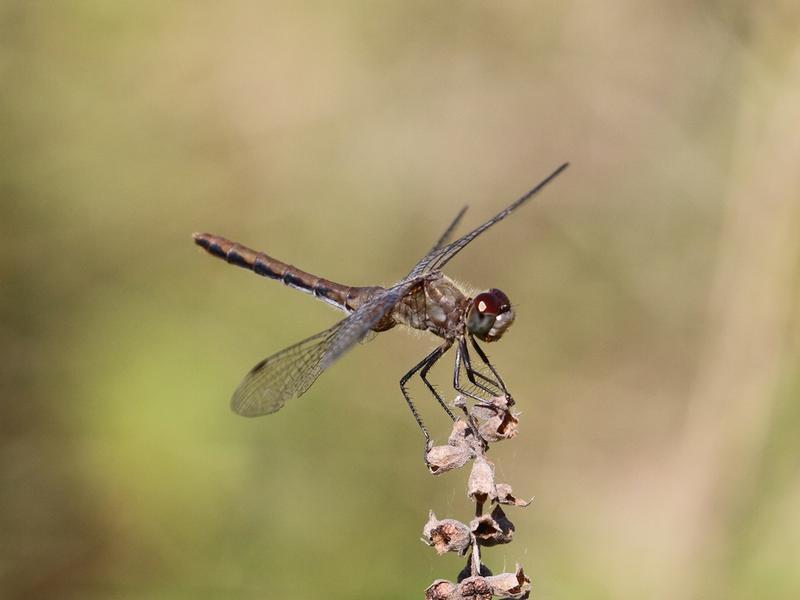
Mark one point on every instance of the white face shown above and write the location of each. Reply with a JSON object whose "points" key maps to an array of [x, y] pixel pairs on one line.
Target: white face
{"points": [[501, 322]]}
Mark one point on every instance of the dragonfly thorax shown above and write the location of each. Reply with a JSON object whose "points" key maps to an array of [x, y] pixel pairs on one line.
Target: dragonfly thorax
{"points": [[436, 305]]}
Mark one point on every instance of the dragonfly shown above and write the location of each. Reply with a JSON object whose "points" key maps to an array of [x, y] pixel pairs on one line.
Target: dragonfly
{"points": [[425, 299]]}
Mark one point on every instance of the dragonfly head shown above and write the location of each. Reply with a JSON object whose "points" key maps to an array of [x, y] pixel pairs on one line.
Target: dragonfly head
{"points": [[490, 314]]}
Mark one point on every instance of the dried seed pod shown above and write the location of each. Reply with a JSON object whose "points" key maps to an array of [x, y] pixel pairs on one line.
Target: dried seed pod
{"points": [[502, 426], [480, 486], [446, 535], [474, 588], [511, 585], [506, 496], [495, 420], [492, 529], [459, 434], [440, 459], [441, 589], [489, 408], [463, 434], [459, 449]]}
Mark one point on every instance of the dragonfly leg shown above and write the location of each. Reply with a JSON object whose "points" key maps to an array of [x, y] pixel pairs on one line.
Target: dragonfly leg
{"points": [[457, 385], [485, 360], [420, 365], [457, 375], [473, 375], [429, 361]]}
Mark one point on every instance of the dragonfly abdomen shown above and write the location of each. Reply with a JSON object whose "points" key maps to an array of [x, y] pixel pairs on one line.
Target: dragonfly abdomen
{"points": [[341, 296]]}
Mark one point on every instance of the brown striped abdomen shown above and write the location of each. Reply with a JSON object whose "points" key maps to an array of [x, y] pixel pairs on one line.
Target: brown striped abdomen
{"points": [[344, 297]]}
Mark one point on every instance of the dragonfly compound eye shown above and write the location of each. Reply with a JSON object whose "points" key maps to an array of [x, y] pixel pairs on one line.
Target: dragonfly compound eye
{"points": [[490, 315]]}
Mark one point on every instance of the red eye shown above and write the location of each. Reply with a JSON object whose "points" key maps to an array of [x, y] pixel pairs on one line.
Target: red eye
{"points": [[493, 302]]}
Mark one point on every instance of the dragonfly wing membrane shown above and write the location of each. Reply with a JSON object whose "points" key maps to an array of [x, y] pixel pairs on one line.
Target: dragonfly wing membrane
{"points": [[443, 241], [289, 373], [448, 234], [440, 255], [282, 376], [358, 325]]}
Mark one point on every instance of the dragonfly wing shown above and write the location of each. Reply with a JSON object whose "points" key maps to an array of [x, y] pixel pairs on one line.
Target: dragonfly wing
{"points": [[445, 239], [442, 254], [290, 372], [283, 376], [358, 325]]}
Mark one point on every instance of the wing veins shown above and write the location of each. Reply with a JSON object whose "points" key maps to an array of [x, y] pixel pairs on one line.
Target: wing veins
{"points": [[441, 255], [289, 373]]}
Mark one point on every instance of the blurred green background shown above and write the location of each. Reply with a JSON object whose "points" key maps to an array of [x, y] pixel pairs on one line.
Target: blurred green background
{"points": [[655, 354]]}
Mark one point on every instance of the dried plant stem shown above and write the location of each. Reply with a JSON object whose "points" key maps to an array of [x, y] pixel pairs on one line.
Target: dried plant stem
{"points": [[484, 423]]}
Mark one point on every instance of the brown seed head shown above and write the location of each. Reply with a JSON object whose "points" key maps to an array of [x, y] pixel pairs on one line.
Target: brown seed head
{"points": [[480, 486], [446, 535]]}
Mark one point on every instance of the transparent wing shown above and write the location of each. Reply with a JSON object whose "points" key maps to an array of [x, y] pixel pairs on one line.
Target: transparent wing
{"points": [[290, 372], [448, 233], [443, 241], [440, 255], [358, 325], [282, 376]]}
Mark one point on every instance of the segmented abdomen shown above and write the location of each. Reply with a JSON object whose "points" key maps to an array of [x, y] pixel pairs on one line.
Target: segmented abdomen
{"points": [[344, 297]]}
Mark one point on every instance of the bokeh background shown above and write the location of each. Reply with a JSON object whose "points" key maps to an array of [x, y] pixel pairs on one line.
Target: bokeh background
{"points": [[655, 355]]}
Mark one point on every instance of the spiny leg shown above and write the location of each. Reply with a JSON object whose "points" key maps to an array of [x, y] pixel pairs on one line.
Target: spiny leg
{"points": [[457, 375], [473, 375], [485, 360], [431, 360], [425, 362], [457, 385]]}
